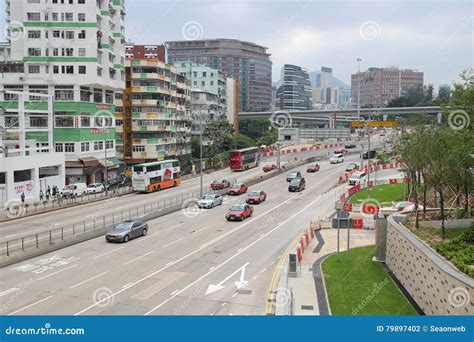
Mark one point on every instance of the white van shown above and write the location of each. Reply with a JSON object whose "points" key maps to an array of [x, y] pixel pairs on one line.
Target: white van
{"points": [[74, 190], [337, 158], [356, 178]]}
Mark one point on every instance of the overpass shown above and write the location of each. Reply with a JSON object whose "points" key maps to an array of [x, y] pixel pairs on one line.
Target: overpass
{"points": [[346, 115]]}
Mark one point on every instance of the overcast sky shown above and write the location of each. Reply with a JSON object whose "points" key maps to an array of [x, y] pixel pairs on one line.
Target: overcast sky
{"points": [[435, 37]]}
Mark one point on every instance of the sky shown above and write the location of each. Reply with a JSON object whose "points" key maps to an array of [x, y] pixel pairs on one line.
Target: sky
{"points": [[435, 37]]}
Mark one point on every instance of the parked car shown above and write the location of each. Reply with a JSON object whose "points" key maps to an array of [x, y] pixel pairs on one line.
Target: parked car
{"points": [[337, 158], [372, 155], [220, 184], [268, 168], [292, 175], [239, 212], [297, 184], [256, 197], [237, 189], [348, 146], [126, 181], [95, 188], [210, 201], [314, 167], [127, 230], [74, 190], [352, 167], [356, 178], [112, 183]]}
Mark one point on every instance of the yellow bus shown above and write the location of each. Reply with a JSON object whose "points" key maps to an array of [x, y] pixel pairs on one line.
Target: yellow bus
{"points": [[156, 176]]}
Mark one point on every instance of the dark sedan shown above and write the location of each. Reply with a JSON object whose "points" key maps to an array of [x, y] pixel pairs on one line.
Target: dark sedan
{"points": [[127, 230]]}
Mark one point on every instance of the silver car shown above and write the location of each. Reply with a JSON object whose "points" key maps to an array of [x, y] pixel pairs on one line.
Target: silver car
{"points": [[210, 201], [127, 230]]}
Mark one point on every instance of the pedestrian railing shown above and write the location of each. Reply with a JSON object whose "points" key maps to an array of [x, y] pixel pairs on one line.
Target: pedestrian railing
{"points": [[96, 221]]}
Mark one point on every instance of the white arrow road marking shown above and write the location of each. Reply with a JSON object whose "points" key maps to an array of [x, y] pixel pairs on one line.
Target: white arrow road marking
{"points": [[9, 291], [213, 288]]}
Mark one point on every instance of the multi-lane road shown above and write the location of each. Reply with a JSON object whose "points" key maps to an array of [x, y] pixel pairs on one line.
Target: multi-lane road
{"points": [[187, 264]]}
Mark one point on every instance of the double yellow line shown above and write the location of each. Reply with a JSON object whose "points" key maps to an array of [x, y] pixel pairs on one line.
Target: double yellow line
{"points": [[276, 276]]}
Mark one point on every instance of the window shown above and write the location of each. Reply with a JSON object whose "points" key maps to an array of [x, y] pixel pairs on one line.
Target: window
{"points": [[34, 16], [34, 52], [69, 17], [85, 94], [85, 119], [68, 52], [81, 52], [64, 93], [81, 17], [138, 148], [69, 35], [82, 34], [69, 147], [34, 34], [59, 147], [55, 69], [204, 74], [82, 69], [55, 52], [55, 17], [85, 146], [98, 145], [67, 69], [109, 96], [109, 144], [203, 83], [38, 121], [56, 34], [63, 121], [33, 69], [98, 97]]}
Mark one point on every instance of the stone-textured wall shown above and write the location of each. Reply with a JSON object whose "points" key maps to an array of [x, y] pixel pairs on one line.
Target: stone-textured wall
{"points": [[435, 284]]}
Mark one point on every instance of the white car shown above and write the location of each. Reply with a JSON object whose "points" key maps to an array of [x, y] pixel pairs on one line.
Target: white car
{"points": [[356, 178], [351, 167], [337, 158], [95, 188], [210, 201], [74, 190]]}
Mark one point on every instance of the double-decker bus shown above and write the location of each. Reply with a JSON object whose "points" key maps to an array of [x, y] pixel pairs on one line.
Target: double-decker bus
{"points": [[156, 176], [244, 159]]}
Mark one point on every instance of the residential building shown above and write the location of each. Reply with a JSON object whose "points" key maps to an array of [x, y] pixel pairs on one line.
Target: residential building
{"points": [[73, 51], [205, 108], [154, 52], [152, 114], [295, 91], [380, 85], [246, 62]]}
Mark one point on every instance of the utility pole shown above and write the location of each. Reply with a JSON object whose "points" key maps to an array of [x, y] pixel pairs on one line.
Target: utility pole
{"points": [[200, 154], [368, 155], [358, 109], [106, 175]]}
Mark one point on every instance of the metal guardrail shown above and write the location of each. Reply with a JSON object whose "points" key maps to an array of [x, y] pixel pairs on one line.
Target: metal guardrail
{"points": [[95, 222]]}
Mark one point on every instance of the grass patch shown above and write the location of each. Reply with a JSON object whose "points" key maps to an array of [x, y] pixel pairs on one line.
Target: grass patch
{"points": [[356, 285], [384, 194], [458, 247]]}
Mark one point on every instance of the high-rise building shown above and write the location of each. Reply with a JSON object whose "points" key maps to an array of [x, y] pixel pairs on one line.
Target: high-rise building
{"points": [[295, 91], [154, 52], [246, 62], [74, 51], [152, 114], [380, 85]]}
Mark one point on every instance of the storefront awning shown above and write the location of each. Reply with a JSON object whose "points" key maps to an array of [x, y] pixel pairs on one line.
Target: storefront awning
{"points": [[89, 162], [74, 164], [112, 162]]}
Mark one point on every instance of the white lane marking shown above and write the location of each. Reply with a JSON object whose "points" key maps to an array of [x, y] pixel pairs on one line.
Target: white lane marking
{"points": [[223, 304], [9, 236], [29, 306], [9, 291], [211, 268], [172, 293], [177, 225], [85, 281], [254, 278], [231, 258], [127, 285], [137, 258], [235, 294], [111, 251], [263, 270], [172, 243], [64, 269], [204, 246], [170, 263]]}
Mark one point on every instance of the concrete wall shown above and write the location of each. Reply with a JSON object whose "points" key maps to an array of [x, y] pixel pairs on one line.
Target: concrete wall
{"points": [[434, 283]]}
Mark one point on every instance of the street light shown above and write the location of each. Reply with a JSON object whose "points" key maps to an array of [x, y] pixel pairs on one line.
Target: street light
{"points": [[358, 110]]}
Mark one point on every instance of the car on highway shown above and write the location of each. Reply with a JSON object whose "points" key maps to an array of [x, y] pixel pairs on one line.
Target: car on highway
{"points": [[292, 175], [74, 190], [237, 189], [356, 178], [239, 212], [373, 153], [256, 197], [220, 184], [270, 167], [210, 201], [337, 158], [352, 167], [297, 185], [348, 146], [127, 230], [341, 151], [95, 188], [313, 167]]}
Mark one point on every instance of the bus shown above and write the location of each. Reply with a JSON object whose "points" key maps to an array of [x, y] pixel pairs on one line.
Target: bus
{"points": [[244, 159], [156, 176]]}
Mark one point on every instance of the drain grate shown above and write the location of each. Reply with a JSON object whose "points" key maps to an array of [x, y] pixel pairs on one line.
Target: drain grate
{"points": [[307, 307], [244, 292]]}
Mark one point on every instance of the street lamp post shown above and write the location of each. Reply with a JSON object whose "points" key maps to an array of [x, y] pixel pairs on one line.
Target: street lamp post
{"points": [[358, 109], [200, 154], [106, 176]]}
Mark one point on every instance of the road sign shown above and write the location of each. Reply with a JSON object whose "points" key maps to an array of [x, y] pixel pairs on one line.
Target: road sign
{"points": [[357, 124]]}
